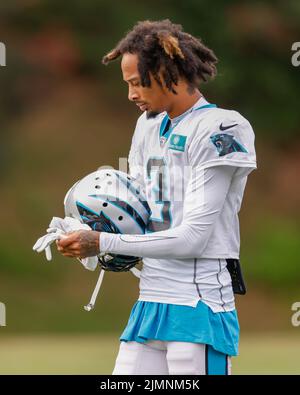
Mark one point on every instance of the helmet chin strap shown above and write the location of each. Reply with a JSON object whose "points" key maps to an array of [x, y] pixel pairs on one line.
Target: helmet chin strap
{"points": [[136, 272], [91, 305]]}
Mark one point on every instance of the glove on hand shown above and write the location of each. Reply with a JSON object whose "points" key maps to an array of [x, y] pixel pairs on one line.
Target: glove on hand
{"points": [[57, 229]]}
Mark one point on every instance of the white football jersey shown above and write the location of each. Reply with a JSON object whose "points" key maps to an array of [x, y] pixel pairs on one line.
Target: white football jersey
{"points": [[185, 249]]}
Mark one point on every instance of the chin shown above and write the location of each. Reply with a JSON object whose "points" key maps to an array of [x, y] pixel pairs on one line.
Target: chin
{"points": [[151, 114]]}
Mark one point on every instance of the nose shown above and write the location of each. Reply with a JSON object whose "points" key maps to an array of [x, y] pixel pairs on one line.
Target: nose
{"points": [[132, 94]]}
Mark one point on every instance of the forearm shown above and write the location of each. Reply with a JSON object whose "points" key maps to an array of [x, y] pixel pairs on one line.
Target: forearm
{"points": [[180, 242]]}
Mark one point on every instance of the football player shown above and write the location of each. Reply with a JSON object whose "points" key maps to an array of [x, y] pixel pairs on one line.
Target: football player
{"points": [[193, 159]]}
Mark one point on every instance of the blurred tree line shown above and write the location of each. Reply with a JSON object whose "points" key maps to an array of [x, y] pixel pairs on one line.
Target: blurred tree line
{"points": [[252, 39]]}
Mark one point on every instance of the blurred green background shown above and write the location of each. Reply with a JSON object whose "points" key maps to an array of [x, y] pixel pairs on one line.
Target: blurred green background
{"points": [[63, 114]]}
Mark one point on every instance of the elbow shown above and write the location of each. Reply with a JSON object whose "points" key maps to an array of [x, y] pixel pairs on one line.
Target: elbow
{"points": [[193, 243], [191, 250], [188, 249]]}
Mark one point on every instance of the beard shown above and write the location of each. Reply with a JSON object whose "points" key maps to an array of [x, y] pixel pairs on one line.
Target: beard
{"points": [[151, 114]]}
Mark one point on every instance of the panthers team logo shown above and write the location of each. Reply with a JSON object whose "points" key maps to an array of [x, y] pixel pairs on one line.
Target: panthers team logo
{"points": [[100, 223], [226, 143]]}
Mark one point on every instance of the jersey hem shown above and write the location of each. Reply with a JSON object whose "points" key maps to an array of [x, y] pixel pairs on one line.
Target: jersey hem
{"points": [[213, 306], [222, 256]]}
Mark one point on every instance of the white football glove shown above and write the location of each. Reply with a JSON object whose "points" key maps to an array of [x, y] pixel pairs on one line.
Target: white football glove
{"points": [[67, 224], [57, 229], [44, 242]]}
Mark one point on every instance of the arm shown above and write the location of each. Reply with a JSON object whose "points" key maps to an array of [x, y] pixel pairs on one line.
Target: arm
{"points": [[204, 200]]}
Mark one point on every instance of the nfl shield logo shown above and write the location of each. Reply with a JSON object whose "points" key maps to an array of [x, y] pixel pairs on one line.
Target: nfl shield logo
{"points": [[177, 142], [162, 141]]}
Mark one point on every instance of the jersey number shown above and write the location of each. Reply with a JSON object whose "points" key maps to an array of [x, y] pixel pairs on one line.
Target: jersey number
{"points": [[160, 206]]}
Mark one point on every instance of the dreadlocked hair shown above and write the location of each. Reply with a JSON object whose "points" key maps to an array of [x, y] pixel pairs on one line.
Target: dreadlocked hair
{"points": [[164, 46]]}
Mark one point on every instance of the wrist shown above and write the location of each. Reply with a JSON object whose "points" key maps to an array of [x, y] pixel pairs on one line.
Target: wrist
{"points": [[97, 241]]}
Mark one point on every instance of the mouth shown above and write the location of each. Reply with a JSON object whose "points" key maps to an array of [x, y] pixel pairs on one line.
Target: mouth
{"points": [[142, 106]]}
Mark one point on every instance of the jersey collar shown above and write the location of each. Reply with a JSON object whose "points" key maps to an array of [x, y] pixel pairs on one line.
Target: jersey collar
{"points": [[167, 125]]}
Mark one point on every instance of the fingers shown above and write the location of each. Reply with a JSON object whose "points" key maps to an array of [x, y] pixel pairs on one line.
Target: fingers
{"points": [[67, 239], [73, 247], [69, 255], [71, 250]]}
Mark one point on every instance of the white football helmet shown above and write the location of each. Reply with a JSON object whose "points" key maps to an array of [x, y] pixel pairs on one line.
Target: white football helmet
{"points": [[109, 200]]}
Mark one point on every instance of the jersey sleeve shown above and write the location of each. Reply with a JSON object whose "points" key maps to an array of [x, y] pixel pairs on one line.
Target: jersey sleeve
{"points": [[227, 140]]}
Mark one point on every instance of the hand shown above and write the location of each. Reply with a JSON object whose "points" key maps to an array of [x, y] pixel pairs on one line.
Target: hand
{"points": [[79, 244]]}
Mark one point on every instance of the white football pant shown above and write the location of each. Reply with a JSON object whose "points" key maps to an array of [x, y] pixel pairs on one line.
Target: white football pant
{"points": [[170, 358]]}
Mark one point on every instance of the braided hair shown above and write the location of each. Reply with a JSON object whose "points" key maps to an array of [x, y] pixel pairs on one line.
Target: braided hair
{"points": [[162, 46]]}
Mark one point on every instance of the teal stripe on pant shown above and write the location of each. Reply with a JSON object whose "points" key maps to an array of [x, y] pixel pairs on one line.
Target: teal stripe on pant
{"points": [[216, 362]]}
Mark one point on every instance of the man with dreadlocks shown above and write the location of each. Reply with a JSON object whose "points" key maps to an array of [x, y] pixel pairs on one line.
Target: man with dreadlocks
{"points": [[193, 159]]}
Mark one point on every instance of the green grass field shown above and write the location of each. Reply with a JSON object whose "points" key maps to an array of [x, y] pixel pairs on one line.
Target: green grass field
{"points": [[259, 354]]}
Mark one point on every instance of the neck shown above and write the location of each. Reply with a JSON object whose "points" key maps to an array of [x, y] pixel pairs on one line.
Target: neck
{"points": [[183, 103]]}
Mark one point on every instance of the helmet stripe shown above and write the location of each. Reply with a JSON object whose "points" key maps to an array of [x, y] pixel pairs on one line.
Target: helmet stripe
{"points": [[136, 192], [125, 207]]}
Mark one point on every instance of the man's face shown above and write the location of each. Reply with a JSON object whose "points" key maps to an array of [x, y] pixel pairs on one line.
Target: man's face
{"points": [[153, 99]]}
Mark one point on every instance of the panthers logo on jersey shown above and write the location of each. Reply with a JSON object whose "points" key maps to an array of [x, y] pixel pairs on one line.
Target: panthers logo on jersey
{"points": [[226, 143]]}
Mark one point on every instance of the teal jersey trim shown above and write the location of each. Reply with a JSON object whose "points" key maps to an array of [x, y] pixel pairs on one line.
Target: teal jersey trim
{"points": [[170, 322], [206, 106], [163, 132]]}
